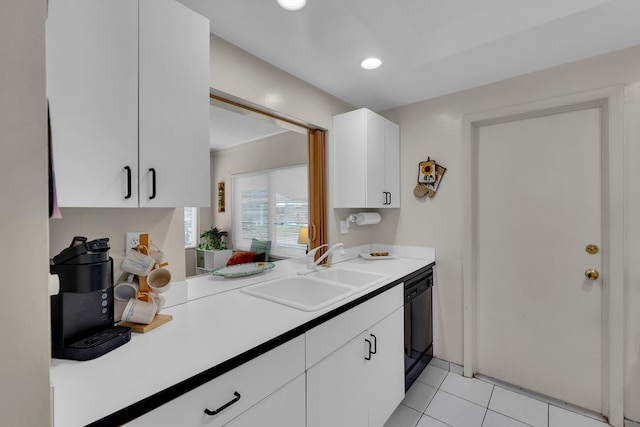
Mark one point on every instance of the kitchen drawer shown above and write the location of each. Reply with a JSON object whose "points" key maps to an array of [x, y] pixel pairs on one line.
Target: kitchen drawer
{"points": [[253, 381], [284, 408], [324, 339]]}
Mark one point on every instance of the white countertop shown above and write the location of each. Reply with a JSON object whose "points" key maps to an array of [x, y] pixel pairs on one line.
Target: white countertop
{"points": [[218, 323]]}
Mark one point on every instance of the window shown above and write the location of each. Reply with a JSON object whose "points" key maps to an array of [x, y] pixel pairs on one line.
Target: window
{"points": [[190, 227], [271, 205]]}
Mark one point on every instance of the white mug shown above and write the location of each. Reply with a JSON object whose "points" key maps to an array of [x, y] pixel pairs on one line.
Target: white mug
{"points": [[159, 280], [125, 291], [138, 311], [160, 300]]}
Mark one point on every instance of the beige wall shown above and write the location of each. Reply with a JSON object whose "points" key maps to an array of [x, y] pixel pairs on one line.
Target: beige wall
{"points": [[267, 86], [164, 225], [24, 299], [433, 128]]}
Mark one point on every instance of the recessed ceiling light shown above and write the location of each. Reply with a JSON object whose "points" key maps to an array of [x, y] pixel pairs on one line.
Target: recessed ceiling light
{"points": [[292, 4], [371, 63]]}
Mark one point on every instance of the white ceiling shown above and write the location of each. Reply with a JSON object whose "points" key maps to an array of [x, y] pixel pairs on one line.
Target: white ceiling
{"points": [[428, 47], [228, 128]]}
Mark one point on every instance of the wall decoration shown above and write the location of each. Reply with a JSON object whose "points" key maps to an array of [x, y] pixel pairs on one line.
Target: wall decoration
{"points": [[427, 173], [221, 196], [429, 177]]}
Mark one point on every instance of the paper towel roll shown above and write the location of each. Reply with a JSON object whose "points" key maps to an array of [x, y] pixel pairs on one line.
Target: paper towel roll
{"points": [[366, 218]]}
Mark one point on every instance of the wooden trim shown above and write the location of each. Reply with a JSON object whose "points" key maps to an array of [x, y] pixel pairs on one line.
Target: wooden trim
{"points": [[259, 111], [317, 189]]}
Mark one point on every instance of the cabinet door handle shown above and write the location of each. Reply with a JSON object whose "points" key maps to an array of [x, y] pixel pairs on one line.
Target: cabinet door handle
{"points": [[368, 356], [375, 344], [128, 169], [153, 183], [225, 406], [389, 193]]}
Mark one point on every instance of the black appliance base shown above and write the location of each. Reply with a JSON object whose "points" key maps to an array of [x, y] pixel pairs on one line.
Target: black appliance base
{"points": [[416, 368], [95, 345]]}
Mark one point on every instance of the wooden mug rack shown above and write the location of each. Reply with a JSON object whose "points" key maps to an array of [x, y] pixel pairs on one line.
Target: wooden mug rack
{"points": [[160, 319]]}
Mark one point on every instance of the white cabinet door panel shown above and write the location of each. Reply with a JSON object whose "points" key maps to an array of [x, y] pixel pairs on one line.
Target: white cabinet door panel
{"points": [[385, 370], [92, 86], [392, 163], [375, 160], [174, 105], [336, 395], [349, 145]]}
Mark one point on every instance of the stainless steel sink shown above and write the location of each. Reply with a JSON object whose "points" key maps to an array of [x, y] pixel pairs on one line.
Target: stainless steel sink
{"points": [[315, 291]]}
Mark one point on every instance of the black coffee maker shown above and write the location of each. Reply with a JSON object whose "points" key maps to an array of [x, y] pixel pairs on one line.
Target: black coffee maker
{"points": [[82, 326]]}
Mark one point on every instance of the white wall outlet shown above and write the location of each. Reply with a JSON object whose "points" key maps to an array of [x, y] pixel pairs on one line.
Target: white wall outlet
{"points": [[132, 240]]}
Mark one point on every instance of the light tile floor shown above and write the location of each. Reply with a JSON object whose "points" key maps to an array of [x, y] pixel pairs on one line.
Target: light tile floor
{"points": [[443, 398]]}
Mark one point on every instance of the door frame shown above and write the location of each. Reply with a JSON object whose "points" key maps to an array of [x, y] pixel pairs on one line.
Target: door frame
{"points": [[610, 101]]}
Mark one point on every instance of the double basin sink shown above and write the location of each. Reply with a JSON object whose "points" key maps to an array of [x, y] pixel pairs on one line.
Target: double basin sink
{"points": [[317, 290]]}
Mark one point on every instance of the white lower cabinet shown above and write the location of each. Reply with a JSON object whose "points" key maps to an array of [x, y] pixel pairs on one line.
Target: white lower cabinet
{"points": [[362, 382], [251, 384], [354, 367]]}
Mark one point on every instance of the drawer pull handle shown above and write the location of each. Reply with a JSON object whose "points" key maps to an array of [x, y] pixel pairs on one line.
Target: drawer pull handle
{"points": [[375, 344], [225, 406], [368, 356]]}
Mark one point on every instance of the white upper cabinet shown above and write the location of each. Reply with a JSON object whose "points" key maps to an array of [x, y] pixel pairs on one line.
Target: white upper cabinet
{"points": [[128, 89], [366, 161]]}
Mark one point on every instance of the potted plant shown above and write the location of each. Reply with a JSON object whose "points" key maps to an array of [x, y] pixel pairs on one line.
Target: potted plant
{"points": [[212, 253]]}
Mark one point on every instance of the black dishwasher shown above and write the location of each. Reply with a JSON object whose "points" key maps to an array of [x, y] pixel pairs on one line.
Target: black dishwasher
{"points": [[418, 324]]}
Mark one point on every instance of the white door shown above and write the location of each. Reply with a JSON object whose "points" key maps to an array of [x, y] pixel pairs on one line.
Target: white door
{"points": [[538, 317]]}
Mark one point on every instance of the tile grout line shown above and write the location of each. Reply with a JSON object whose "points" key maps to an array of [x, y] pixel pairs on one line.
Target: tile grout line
{"points": [[512, 418], [462, 398]]}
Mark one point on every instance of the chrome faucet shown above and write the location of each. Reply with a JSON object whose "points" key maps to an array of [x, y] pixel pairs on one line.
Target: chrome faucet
{"points": [[313, 265]]}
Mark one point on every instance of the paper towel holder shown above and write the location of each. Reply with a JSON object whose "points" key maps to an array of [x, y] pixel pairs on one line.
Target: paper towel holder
{"points": [[359, 218]]}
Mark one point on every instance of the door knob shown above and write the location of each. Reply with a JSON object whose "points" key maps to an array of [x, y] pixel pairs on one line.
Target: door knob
{"points": [[592, 274], [592, 249]]}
